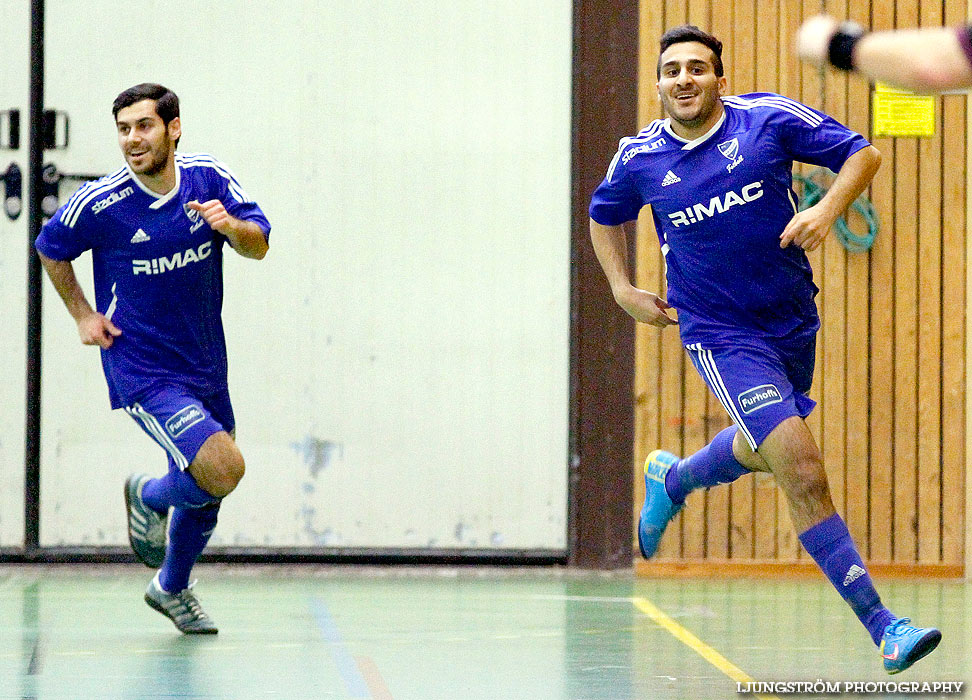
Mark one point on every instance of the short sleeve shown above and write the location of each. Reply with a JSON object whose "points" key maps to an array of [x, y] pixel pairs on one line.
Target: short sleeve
{"points": [[812, 137], [616, 199], [235, 199], [69, 232]]}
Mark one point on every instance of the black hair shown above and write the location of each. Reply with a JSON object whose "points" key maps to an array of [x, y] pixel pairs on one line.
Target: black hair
{"points": [[166, 101], [689, 32]]}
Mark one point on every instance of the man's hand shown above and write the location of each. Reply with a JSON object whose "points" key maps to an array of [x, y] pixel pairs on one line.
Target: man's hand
{"points": [[215, 215], [96, 329], [813, 39], [645, 307], [246, 237], [808, 228]]}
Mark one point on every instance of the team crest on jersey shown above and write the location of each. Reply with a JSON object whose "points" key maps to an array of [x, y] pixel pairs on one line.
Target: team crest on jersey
{"points": [[730, 149], [194, 216]]}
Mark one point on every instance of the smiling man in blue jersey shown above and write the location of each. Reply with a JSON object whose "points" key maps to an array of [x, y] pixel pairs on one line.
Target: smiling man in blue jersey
{"points": [[717, 174], [156, 229]]}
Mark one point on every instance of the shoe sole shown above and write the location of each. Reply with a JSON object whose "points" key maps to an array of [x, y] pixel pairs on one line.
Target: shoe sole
{"points": [[923, 648], [158, 608], [128, 521]]}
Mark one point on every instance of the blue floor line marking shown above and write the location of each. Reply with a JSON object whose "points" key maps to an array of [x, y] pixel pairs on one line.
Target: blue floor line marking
{"points": [[347, 667]]}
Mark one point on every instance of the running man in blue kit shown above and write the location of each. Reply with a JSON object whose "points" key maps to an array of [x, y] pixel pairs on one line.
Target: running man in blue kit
{"points": [[717, 174], [156, 229]]}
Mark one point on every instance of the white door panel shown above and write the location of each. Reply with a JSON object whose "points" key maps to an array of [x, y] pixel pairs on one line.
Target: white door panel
{"points": [[14, 83], [399, 362]]}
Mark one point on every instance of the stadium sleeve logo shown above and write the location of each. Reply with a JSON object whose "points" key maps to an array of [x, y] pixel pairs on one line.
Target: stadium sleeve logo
{"points": [[183, 420], [113, 198], [759, 397]]}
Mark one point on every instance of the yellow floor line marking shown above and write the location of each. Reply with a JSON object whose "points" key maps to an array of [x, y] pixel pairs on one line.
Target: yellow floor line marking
{"points": [[696, 644]]}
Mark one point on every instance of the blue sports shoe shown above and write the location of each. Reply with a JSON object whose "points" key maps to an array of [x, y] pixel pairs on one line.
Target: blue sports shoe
{"points": [[903, 644], [658, 508]]}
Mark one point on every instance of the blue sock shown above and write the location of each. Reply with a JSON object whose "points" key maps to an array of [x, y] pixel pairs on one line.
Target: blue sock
{"points": [[176, 489], [189, 532], [831, 546], [712, 465]]}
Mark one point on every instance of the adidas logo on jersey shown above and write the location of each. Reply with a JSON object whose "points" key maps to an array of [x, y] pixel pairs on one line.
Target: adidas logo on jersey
{"points": [[140, 237], [853, 573], [670, 179]]}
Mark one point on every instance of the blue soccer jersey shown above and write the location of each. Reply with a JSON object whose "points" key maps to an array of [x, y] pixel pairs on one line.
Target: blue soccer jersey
{"points": [[157, 272], [719, 205]]}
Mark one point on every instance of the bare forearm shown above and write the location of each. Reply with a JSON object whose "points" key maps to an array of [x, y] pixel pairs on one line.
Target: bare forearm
{"points": [[853, 178], [924, 60], [61, 273], [929, 59], [611, 247], [247, 239]]}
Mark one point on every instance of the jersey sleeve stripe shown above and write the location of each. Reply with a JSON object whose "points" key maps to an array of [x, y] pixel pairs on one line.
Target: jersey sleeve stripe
{"points": [[646, 134], [75, 199], [201, 160], [796, 107], [771, 99], [777, 101], [780, 103], [100, 187]]}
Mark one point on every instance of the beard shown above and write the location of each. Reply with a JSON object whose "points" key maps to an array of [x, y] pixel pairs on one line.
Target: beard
{"points": [[158, 158], [706, 107]]}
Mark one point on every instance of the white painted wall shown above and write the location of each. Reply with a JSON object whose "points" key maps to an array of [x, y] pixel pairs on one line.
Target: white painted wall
{"points": [[13, 285], [399, 362]]}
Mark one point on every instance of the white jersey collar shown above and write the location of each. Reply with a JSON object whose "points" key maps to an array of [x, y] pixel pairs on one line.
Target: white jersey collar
{"points": [[160, 199], [689, 145]]}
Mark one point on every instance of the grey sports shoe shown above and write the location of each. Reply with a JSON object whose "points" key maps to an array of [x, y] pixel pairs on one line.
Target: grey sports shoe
{"points": [[182, 608], [146, 527]]}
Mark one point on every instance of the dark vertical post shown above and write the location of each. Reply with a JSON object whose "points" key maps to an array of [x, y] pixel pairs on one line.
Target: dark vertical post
{"points": [[34, 219], [605, 92]]}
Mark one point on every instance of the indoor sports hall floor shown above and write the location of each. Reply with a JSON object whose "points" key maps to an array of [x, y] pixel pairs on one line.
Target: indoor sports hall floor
{"points": [[456, 634]]}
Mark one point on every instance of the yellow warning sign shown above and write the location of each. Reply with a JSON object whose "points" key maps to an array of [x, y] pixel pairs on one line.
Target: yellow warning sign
{"points": [[901, 113]]}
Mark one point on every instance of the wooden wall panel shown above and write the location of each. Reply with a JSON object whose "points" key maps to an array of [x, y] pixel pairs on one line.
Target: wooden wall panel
{"points": [[857, 338], [929, 437], [882, 326], [790, 83], [953, 321], [890, 373]]}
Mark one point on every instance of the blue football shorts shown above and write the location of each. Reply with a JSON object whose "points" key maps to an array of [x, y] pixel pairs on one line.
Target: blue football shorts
{"points": [[180, 420], [760, 383]]}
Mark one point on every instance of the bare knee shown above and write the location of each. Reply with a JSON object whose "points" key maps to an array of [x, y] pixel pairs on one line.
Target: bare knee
{"points": [[218, 467], [807, 483]]}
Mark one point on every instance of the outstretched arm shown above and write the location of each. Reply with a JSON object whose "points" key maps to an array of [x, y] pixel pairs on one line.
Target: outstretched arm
{"points": [[924, 60], [93, 328], [611, 248], [247, 239]]}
